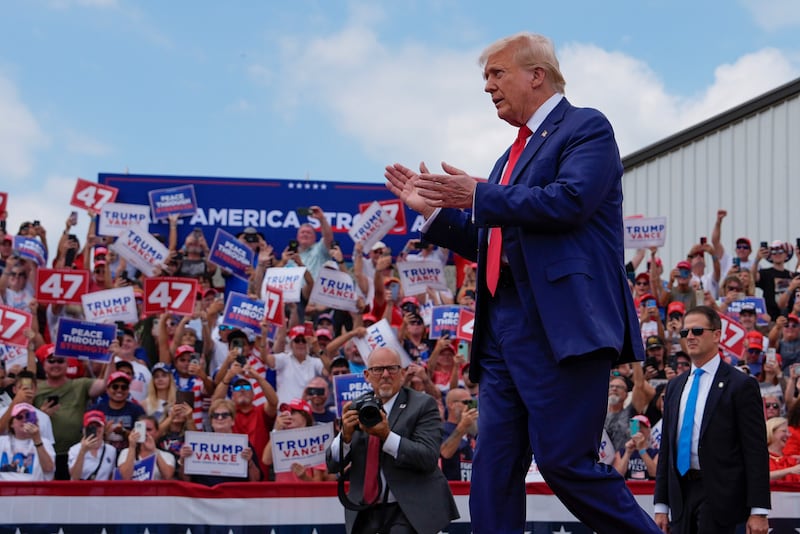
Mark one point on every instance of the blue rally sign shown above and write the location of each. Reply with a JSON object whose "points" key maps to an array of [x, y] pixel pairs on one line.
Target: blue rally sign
{"points": [[82, 339]]}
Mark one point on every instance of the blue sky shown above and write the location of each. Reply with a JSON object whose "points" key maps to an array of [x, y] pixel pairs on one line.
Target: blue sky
{"points": [[336, 90]]}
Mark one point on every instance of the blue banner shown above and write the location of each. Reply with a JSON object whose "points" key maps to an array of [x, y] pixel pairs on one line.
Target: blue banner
{"points": [[444, 319], [31, 249], [268, 205], [229, 253], [82, 339], [243, 312], [179, 201], [142, 470], [347, 388]]}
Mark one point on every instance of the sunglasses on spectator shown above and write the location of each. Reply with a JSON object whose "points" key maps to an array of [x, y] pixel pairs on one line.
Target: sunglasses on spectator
{"points": [[791, 324], [242, 387], [224, 327], [697, 331], [754, 351], [773, 405], [734, 288], [21, 416], [20, 274], [315, 392], [119, 387], [55, 360], [743, 247], [683, 364], [220, 415], [415, 322], [379, 369], [299, 340], [642, 283]]}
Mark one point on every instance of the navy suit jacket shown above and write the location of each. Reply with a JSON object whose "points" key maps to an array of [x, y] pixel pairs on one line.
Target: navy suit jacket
{"points": [[732, 448], [561, 216], [414, 477]]}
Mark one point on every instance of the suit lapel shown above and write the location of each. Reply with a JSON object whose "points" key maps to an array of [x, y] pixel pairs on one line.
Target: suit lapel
{"points": [[548, 127], [675, 408], [714, 394], [399, 406]]}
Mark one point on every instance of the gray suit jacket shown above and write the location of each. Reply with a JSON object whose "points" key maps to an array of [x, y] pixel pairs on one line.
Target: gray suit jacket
{"points": [[414, 477]]}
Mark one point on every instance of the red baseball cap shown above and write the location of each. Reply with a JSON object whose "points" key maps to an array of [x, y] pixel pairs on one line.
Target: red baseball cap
{"points": [[676, 307], [684, 265], [755, 340], [94, 416], [644, 276], [297, 331], [298, 405], [793, 317]]}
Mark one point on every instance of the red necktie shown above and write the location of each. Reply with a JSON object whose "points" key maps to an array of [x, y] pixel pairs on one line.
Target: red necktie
{"points": [[371, 471], [495, 233]]}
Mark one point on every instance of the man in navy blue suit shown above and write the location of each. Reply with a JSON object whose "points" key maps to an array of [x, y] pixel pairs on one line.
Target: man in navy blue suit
{"points": [[554, 311]]}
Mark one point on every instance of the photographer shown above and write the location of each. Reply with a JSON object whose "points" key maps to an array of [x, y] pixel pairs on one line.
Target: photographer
{"points": [[391, 445]]}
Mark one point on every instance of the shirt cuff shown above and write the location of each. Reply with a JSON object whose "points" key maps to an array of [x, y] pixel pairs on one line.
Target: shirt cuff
{"points": [[392, 445], [429, 221], [759, 511], [661, 508]]}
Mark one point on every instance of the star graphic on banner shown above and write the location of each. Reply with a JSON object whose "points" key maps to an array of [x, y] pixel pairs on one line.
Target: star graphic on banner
{"points": [[562, 531], [291, 185], [308, 186], [323, 186], [314, 186]]}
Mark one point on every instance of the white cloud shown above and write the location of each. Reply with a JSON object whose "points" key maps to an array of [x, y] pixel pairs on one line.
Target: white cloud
{"points": [[20, 134], [774, 15]]}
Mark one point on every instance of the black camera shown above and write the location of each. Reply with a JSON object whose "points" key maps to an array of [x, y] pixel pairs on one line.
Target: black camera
{"points": [[251, 238], [369, 409]]}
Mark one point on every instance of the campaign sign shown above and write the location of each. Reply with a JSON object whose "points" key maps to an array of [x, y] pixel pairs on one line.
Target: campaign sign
{"points": [[380, 335], [371, 226], [3, 202], [334, 289], [347, 388], [114, 218], [393, 208], [142, 470], [14, 355], [61, 286], [13, 324], [288, 279], [85, 340], [110, 305], [141, 249], [760, 306], [179, 201], [466, 324], [216, 454], [417, 276], [274, 299], [31, 248], [644, 232], [231, 254], [305, 446], [91, 196], [733, 333], [175, 294], [444, 319], [244, 312]]}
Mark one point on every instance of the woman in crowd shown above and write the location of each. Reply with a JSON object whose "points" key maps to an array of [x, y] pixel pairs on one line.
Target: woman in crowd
{"points": [[781, 466], [771, 379], [92, 458], [139, 450], [295, 414], [23, 454], [160, 392], [173, 428]]}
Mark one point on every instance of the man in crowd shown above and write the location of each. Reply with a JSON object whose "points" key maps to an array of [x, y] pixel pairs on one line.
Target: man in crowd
{"points": [[619, 415], [785, 337], [316, 395], [774, 280], [458, 435], [120, 412], [295, 367]]}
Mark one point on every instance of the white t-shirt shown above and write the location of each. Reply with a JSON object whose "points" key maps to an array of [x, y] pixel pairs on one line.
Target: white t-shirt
{"points": [[293, 375], [92, 459], [42, 421], [19, 459]]}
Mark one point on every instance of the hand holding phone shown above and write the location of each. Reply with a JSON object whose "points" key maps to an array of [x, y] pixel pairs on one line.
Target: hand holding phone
{"points": [[634, 426], [140, 427]]}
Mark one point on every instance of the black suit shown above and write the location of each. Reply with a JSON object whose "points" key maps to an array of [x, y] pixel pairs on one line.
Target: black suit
{"points": [[732, 450], [414, 477]]}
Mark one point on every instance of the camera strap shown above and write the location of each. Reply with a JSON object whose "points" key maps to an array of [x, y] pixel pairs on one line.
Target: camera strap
{"points": [[99, 464], [344, 476]]}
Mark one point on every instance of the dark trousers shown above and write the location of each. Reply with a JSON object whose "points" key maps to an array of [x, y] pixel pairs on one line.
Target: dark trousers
{"points": [[696, 518], [383, 519], [529, 402], [62, 467]]}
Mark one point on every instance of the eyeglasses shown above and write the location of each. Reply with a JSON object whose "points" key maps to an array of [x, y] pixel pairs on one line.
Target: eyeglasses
{"points": [[683, 364], [414, 323], [378, 251], [14, 274], [224, 327], [21, 416], [773, 405], [299, 340], [466, 402], [220, 415], [743, 247], [379, 369], [55, 360], [617, 386], [315, 392], [754, 351], [119, 387], [791, 324], [696, 331], [734, 288], [642, 283], [242, 387]]}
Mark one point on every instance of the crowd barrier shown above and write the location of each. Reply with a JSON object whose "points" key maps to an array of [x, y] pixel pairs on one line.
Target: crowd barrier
{"points": [[172, 507]]}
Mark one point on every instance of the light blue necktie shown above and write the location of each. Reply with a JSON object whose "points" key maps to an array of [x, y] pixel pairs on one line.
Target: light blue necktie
{"points": [[687, 425]]}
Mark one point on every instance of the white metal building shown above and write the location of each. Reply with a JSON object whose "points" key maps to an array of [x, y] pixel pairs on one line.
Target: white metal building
{"points": [[745, 160]]}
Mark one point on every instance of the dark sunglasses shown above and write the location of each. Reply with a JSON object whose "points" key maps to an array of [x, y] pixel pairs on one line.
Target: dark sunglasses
{"points": [[21, 416], [734, 288], [417, 323], [119, 387], [773, 405], [14, 274], [56, 360], [220, 415], [242, 387], [315, 392], [299, 340], [683, 364], [697, 331], [642, 283], [743, 247]]}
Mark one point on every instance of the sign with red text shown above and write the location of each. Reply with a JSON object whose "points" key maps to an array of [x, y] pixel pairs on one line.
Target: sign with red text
{"points": [[417, 276], [231, 254], [288, 279], [732, 338], [273, 296], [216, 454], [174, 294], [444, 320], [644, 232], [61, 286], [141, 249], [395, 209], [31, 248], [371, 226], [334, 289], [243, 312], [305, 446], [12, 326], [3, 202], [380, 335], [115, 217], [92, 196], [85, 340], [466, 324], [110, 305], [180, 201]]}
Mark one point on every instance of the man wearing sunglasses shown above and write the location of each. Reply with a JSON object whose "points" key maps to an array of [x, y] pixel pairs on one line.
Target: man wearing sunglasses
{"points": [[64, 400], [120, 412], [709, 488], [785, 337], [295, 367]]}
